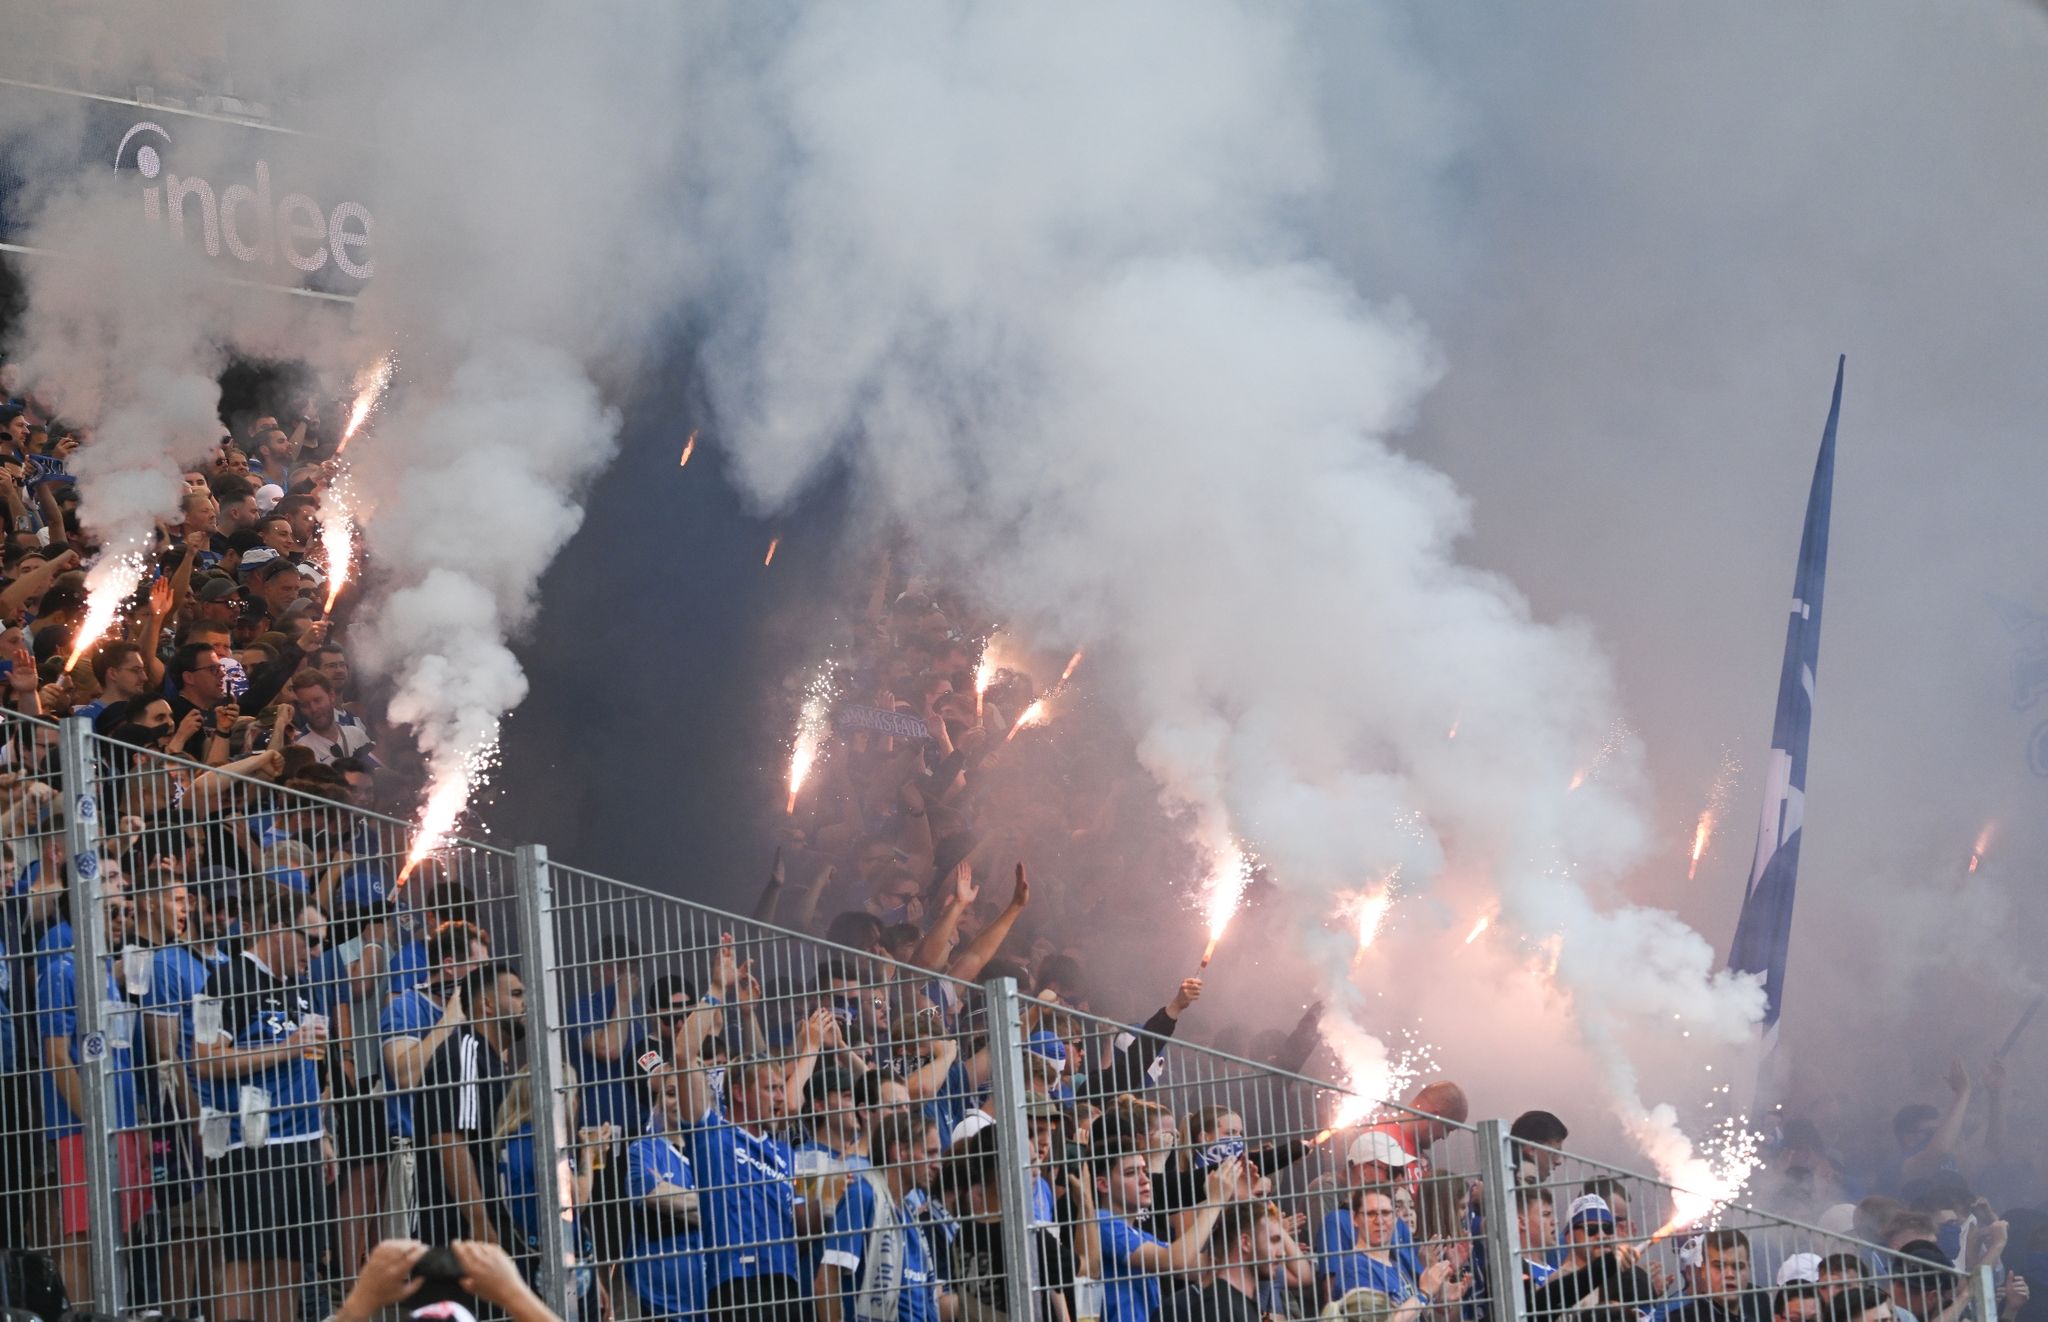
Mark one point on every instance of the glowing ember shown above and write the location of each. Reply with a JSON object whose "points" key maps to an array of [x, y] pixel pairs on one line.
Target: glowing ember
{"points": [[1717, 803], [446, 800], [1578, 779], [1073, 664], [338, 541], [812, 724], [1976, 850], [1485, 921], [1035, 714], [370, 384], [1230, 873], [1454, 728], [689, 448], [1617, 735], [1368, 911], [769, 559], [108, 586]]}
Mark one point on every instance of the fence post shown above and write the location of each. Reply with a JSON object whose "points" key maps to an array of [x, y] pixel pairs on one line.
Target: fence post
{"points": [[1502, 1236], [1985, 1289], [1007, 1094], [533, 892], [89, 954]]}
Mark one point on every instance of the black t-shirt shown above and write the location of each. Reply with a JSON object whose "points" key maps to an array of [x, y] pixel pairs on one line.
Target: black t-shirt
{"points": [[974, 1267], [457, 1103], [1220, 1302]]}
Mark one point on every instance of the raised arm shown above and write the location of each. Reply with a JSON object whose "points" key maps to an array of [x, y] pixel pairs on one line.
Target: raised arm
{"points": [[1946, 1134], [975, 955]]}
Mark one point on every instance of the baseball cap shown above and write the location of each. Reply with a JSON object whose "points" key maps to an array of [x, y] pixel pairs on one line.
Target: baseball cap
{"points": [[970, 1124], [268, 495], [311, 573], [1048, 1048], [269, 567], [217, 589], [255, 556], [1589, 1210], [1800, 1268], [1376, 1149]]}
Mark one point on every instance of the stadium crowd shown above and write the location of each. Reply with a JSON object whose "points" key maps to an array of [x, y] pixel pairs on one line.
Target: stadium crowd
{"points": [[302, 1053]]}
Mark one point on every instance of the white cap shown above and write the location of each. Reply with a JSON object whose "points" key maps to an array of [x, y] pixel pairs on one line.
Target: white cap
{"points": [[268, 495], [970, 1124], [1589, 1207], [1839, 1219], [1800, 1268], [1376, 1148]]}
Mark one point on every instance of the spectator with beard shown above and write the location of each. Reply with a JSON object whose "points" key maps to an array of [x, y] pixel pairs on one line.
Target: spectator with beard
{"points": [[328, 730]]}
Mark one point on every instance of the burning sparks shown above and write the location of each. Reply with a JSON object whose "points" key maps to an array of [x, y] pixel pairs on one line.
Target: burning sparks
{"points": [[811, 727], [1035, 714], [1229, 875], [1368, 912], [984, 675], [1617, 735], [1485, 921], [1702, 1183], [689, 448], [337, 540], [769, 559], [446, 802], [370, 385], [1976, 850], [1710, 816], [108, 587]]}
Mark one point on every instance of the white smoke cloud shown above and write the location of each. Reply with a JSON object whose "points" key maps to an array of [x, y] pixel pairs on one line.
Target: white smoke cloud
{"points": [[1070, 332]]}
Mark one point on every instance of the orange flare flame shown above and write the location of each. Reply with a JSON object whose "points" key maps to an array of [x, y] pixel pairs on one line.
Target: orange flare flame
{"points": [[1485, 921], [1073, 664], [769, 559], [689, 448], [109, 586], [1700, 835], [1035, 714]]}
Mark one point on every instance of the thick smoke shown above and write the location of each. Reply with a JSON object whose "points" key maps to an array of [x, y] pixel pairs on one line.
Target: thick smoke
{"points": [[1076, 341], [525, 248]]}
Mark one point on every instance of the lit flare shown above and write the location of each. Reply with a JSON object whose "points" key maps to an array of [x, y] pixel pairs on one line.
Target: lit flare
{"points": [[1230, 875], [769, 559], [1976, 850], [447, 799], [689, 448], [1479, 927], [1035, 714], [108, 587], [809, 743], [370, 386], [1700, 835], [338, 540], [1073, 664]]}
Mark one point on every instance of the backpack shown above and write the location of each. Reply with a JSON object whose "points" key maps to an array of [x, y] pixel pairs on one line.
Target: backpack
{"points": [[29, 1283]]}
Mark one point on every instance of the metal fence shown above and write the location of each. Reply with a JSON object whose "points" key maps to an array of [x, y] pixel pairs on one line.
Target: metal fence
{"points": [[290, 1049]]}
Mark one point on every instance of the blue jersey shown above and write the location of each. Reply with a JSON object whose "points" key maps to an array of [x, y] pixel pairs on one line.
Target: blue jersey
{"points": [[410, 1013], [57, 998], [747, 1199], [853, 1223], [259, 1009], [1345, 1272], [956, 1097], [1341, 1236], [408, 967], [609, 1091], [667, 1266], [519, 1186], [177, 974], [1129, 1294]]}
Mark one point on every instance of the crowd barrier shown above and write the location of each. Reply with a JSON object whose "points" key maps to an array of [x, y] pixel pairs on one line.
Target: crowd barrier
{"points": [[284, 1057]]}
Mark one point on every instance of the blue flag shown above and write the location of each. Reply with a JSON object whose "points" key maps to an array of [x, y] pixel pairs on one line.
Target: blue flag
{"points": [[1764, 930]]}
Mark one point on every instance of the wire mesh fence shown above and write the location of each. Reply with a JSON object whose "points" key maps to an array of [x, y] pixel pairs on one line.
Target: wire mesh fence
{"points": [[244, 1038]]}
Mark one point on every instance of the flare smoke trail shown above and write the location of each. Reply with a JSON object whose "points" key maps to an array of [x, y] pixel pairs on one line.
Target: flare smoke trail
{"points": [[525, 241], [1070, 337]]}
